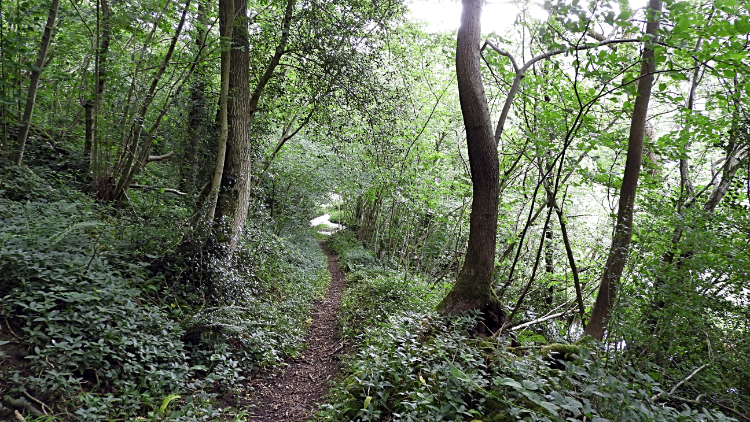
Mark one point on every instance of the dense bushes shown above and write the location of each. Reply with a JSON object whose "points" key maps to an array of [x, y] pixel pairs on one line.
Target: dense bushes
{"points": [[418, 366], [105, 323], [412, 365]]}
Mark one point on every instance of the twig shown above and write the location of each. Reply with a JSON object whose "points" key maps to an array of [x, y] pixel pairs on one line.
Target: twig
{"points": [[37, 401], [168, 190], [542, 319], [152, 158], [679, 384], [341, 346]]}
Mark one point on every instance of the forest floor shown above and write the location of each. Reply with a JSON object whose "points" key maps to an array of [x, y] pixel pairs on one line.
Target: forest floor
{"points": [[290, 394]]}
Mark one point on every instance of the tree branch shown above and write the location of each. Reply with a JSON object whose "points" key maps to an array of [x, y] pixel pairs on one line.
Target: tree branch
{"points": [[542, 319], [168, 190], [166, 156], [679, 384], [521, 72]]}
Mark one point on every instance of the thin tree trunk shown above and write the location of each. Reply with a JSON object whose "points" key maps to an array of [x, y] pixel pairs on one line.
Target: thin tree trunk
{"points": [[89, 119], [473, 288], [28, 112], [226, 11], [101, 83], [619, 251], [132, 165], [234, 194], [190, 165], [573, 267]]}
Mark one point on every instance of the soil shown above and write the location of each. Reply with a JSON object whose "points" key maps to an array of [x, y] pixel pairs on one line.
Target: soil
{"points": [[291, 394]]}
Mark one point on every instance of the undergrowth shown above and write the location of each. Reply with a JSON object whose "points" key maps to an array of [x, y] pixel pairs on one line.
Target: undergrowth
{"points": [[103, 322], [410, 364]]}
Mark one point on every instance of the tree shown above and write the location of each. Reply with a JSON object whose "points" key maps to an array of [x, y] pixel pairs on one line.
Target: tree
{"points": [[28, 112], [619, 251], [236, 182], [473, 288]]}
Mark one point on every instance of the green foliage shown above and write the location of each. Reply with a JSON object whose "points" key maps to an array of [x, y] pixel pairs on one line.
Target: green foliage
{"points": [[418, 366], [266, 295], [92, 341], [22, 184], [351, 253], [109, 327], [373, 296]]}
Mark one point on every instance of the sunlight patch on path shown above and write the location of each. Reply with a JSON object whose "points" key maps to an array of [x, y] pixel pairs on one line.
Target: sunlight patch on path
{"points": [[325, 219]]}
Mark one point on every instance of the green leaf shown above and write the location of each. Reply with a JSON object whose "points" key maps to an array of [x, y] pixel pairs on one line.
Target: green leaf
{"points": [[168, 400], [368, 399], [510, 382], [530, 385]]}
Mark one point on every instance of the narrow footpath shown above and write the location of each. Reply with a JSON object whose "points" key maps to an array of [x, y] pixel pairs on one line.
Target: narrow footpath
{"points": [[291, 394]]}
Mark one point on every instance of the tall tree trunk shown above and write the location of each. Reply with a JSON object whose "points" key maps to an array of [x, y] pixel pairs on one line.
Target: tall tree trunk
{"points": [[226, 12], [619, 251], [236, 183], [474, 285], [234, 195], [28, 112], [102, 53]]}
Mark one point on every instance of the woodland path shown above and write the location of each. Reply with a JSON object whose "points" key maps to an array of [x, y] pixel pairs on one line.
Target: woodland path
{"points": [[291, 394]]}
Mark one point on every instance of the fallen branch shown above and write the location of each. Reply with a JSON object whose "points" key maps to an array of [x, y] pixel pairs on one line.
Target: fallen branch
{"points": [[39, 402], [168, 190], [542, 319], [166, 156], [22, 404], [697, 400]]}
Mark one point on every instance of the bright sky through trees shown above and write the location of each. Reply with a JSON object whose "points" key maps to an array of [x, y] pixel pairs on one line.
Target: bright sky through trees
{"points": [[497, 16]]}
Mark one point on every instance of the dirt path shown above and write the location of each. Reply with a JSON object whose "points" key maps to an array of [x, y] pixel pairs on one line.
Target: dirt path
{"points": [[290, 395]]}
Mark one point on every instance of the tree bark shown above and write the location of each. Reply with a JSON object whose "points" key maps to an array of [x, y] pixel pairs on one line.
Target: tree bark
{"points": [[88, 108], [234, 194], [28, 112], [474, 284], [619, 251], [102, 53], [236, 183], [226, 11]]}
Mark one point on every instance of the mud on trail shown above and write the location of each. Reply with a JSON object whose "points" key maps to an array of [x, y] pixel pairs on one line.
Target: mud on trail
{"points": [[291, 393]]}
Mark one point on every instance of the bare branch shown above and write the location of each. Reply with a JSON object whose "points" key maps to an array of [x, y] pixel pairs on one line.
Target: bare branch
{"points": [[679, 384], [160, 157], [168, 190], [542, 319]]}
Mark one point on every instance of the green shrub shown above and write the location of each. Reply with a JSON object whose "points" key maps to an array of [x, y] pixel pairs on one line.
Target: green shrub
{"points": [[419, 366], [267, 293], [351, 254], [88, 331], [102, 331], [374, 295]]}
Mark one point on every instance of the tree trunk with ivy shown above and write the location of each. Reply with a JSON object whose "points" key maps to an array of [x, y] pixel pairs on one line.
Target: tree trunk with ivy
{"points": [[474, 285], [236, 183]]}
